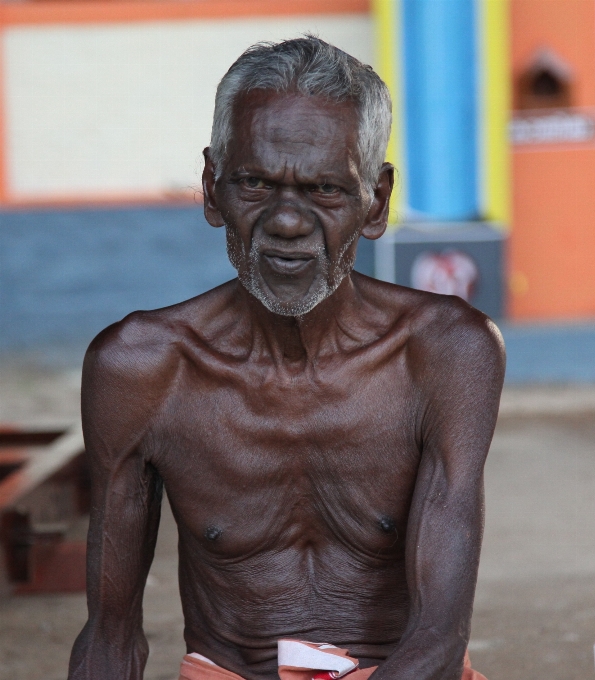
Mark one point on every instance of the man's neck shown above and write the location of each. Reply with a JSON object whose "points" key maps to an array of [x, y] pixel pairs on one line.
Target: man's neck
{"points": [[304, 339]]}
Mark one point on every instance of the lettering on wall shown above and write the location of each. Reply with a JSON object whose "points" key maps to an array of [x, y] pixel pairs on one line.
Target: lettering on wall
{"points": [[552, 128]]}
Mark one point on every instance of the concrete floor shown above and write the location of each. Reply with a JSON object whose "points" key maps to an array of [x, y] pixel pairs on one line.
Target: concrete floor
{"points": [[535, 605], [534, 615]]}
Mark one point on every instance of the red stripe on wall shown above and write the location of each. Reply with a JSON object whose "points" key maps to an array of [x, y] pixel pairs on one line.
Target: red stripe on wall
{"points": [[113, 12], [102, 200]]}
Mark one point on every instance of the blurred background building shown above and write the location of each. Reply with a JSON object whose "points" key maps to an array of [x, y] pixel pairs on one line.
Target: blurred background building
{"points": [[105, 108]]}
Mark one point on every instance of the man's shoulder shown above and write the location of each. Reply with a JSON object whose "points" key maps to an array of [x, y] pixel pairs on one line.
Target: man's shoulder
{"points": [[449, 321], [437, 323], [146, 341]]}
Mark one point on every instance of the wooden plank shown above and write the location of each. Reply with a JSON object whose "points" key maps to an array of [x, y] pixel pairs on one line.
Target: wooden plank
{"points": [[11, 436], [41, 467]]}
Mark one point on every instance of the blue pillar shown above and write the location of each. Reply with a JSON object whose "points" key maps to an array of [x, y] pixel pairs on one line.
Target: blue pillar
{"points": [[441, 107]]}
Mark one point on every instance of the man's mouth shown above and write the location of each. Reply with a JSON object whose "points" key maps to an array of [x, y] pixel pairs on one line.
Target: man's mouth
{"points": [[287, 263]]}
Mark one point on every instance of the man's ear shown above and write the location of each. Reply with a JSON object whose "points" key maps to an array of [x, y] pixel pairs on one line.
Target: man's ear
{"points": [[214, 217], [377, 217]]}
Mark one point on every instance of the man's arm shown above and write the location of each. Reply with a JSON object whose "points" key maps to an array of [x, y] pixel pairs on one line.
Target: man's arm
{"points": [[117, 404], [460, 370]]}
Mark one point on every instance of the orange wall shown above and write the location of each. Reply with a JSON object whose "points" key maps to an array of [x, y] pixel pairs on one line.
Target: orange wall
{"points": [[552, 244]]}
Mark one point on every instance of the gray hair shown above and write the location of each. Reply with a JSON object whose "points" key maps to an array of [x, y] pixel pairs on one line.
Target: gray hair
{"points": [[309, 66]]}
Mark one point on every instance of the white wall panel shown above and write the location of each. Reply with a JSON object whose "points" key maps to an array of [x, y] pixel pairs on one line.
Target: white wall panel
{"points": [[126, 108]]}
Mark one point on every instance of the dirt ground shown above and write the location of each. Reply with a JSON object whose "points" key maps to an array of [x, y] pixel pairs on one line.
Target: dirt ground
{"points": [[534, 615]]}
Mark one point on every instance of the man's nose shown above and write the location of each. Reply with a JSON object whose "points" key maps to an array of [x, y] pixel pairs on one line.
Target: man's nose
{"points": [[288, 219]]}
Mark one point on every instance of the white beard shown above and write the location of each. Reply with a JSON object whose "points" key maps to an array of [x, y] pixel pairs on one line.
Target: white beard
{"points": [[323, 287]]}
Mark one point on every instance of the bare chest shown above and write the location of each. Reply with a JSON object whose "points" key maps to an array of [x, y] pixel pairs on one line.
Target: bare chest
{"points": [[290, 463]]}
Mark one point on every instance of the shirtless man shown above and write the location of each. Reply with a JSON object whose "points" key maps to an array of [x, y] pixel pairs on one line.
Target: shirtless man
{"points": [[321, 435]]}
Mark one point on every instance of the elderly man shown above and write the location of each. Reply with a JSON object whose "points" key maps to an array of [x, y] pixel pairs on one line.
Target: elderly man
{"points": [[321, 435]]}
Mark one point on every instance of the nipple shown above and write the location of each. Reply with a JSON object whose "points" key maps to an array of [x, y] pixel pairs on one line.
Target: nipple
{"points": [[213, 533], [387, 525]]}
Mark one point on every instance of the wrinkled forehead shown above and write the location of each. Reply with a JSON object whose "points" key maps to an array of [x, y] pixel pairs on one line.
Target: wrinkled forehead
{"points": [[308, 133]]}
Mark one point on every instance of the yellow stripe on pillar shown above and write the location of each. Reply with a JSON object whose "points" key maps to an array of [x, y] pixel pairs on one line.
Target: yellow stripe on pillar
{"points": [[387, 17], [495, 107]]}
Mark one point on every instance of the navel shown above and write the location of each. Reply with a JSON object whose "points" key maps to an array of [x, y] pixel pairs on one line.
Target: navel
{"points": [[213, 533], [387, 524]]}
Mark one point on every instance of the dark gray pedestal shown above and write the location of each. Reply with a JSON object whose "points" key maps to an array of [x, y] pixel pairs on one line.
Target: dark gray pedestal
{"points": [[483, 243]]}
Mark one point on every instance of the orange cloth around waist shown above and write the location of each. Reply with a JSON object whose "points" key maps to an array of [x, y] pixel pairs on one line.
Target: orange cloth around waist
{"points": [[296, 663]]}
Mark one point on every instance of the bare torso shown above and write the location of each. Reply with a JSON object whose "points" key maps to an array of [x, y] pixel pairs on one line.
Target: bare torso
{"points": [[305, 480], [292, 481]]}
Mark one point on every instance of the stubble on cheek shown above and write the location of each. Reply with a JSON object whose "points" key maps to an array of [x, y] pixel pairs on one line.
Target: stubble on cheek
{"points": [[235, 249]]}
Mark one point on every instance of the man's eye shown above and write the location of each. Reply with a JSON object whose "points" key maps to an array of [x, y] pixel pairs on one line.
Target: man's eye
{"points": [[254, 183], [327, 189]]}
